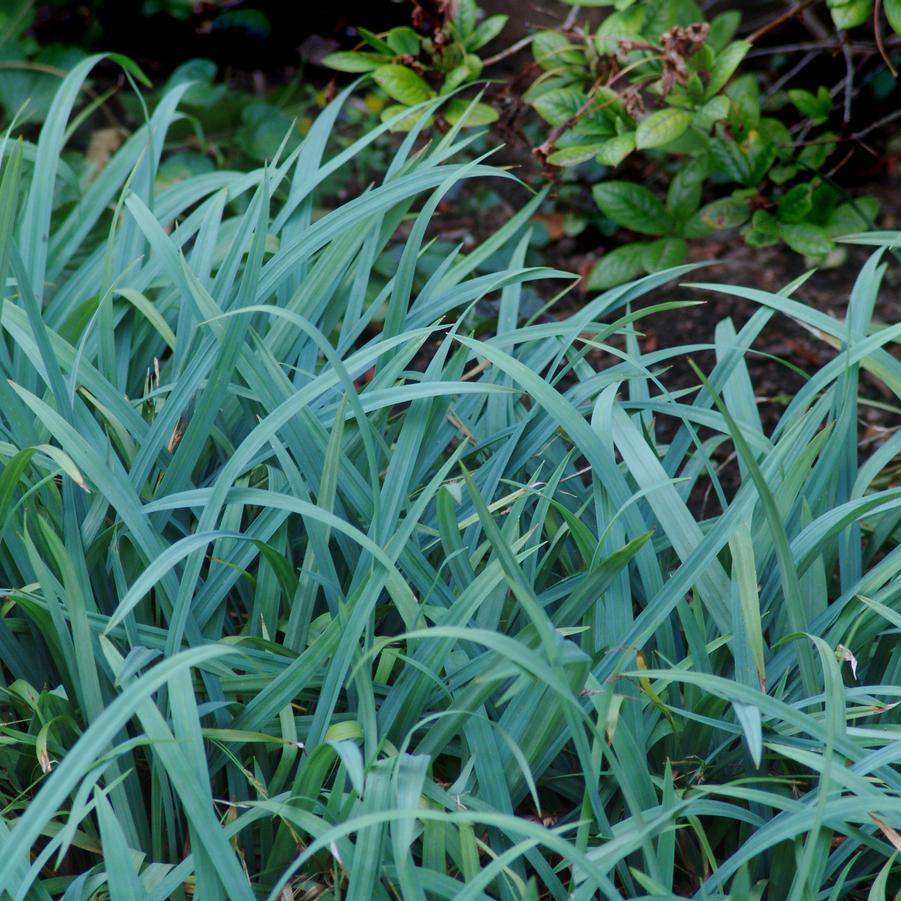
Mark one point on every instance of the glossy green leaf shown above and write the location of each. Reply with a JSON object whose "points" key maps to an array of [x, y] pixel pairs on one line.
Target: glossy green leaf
{"points": [[850, 13], [613, 151], [662, 127], [811, 240], [403, 40], [558, 106], [725, 65], [468, 114], [893, 14], [815, 107], [402, 84], [551, 50], [574, 155], [486, 31], [632, 206], [663, 254], [617, 267], [353, 61], [727, 212]]}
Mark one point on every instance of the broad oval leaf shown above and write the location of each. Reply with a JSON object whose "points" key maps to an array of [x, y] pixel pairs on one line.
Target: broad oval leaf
{"points": [[850, 14], [684, 193], [893, 14], [464, 16], [471, 114], [663, 254], [725, 65], [402, 84], [552, 50], [468, 70], [632, 206], [662, 127], [616, 267], [614, 151], [403, 41], [810, 240], [486, 32], [391, 112], [728, 212], [574, 155], [815, 107], [712, 111], [558, 106], [855, 216], [723, 28], [796, 204]]}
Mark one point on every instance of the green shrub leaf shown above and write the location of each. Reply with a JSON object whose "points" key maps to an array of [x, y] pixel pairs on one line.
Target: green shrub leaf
{"points": [[574, 155], [632, 206], [556, 107], [662, 127], [796, 203], [893, 14], [402, 84], [712, 111], [810, 240], [353, 61], [403, 41], [815, 107], [614, 151], [684, 193], [465, 16], [472, 114], [403, 124], [728, 212], [552, 50], [723, 28], [853, 217], [850, 13], [375, 41], [617, 267], [663, 254], [468, 70], [486, 32], [727, 61]]}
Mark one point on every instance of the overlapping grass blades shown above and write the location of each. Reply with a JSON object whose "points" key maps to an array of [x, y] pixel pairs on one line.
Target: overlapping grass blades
{"points": [[296, 603]]}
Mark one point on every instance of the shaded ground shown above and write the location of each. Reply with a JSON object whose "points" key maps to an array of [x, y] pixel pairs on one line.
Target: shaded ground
{"points": [[785, 354]]}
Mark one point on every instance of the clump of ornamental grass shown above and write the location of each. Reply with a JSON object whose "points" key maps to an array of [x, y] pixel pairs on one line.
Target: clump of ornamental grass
{"points": [[310, 592]]}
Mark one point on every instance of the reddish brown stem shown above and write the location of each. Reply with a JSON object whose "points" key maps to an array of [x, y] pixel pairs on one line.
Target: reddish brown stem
{"points": [[779, 20], [877, 29], [545, 150]]}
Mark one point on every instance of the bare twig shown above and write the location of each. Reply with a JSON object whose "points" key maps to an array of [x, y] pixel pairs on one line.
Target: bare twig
{"points": [[571, 18], [34, 67], [806, 60], [857, 48], [545, 149], [849, 77], [840, 164], [877, 29], [513, 48], [879, 123], [814, 25], [795, 10]]}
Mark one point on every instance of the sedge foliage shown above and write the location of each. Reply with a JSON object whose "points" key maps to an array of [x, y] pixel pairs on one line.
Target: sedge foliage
{"points": [[295, 605]]}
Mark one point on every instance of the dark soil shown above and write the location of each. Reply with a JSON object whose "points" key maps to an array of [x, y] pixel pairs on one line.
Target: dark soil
{"points": [[783, 348]]}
